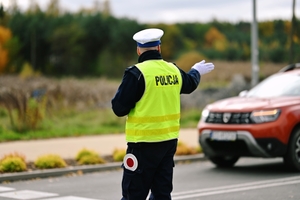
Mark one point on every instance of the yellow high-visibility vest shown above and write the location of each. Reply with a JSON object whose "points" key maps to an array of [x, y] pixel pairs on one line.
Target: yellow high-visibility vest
{"points": [[156, 115]]}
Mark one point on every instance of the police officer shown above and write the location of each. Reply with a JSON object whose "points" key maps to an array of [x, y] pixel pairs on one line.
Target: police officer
{"points": [[150, 97]]}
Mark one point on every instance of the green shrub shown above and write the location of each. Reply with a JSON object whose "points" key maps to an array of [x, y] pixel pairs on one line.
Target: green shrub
{"points": [[3, 112], [186, 60], [91, 160], [25, 114], [50, 161], [13, 155], [118, 154], [35, 112], [85, 152], [183, 149], [199, 149], [88, 157], [190, 118], [12, 164]]}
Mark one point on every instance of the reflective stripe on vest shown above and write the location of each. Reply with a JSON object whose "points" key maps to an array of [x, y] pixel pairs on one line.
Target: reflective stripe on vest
{"points": [[156, 115]]}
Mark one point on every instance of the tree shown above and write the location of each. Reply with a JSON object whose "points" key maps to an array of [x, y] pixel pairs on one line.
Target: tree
{"points": [[5, 36], [266, 29], [1, 11], [193, 35], [67, 50], [186, 60], [172, 41], [53, 8], [33, 7], [106, 8], [215, 39], [291, 57], [2, 15]]}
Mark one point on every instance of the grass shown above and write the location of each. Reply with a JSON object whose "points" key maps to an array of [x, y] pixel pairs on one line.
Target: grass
{"points": [[190, 118], [225, 70], [69, 123], [66, 123]]}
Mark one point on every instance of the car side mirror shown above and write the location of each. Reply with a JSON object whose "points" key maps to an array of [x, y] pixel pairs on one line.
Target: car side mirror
{"points": [[243, 93]]}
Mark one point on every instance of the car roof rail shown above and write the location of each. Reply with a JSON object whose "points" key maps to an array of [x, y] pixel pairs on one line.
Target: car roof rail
{"points": [[290, 67]]}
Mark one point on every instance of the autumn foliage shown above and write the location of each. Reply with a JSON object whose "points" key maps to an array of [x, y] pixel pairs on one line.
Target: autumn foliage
{"points": [[5, 36], [93, 42]]}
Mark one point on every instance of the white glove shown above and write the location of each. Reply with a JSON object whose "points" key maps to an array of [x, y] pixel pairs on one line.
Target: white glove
{"points": [[203, 68]]}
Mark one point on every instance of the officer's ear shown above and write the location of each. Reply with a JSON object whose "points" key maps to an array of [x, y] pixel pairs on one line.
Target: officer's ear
{"points": [[159, 48], [138, 51]]}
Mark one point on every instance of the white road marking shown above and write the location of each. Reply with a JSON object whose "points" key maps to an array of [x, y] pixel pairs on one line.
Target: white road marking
{"points": [[70, 198], [27, 194], [5, 189], [235, 188]]}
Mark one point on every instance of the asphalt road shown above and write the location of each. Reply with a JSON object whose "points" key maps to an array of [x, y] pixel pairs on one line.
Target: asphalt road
{"points": [[259, 179]]}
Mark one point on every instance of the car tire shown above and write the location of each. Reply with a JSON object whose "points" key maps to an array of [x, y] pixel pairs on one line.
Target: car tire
{"points": [[292, 157], [224, 161]]}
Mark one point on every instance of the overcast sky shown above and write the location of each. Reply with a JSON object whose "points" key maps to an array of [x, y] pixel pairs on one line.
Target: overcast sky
{"points": [[171, 11]]}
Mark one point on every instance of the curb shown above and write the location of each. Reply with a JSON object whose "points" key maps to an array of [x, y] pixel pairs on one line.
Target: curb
{"points": [[83, 169]]}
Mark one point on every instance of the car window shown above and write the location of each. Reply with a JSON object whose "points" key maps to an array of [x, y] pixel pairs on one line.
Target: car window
{"points": [[277, 85]]}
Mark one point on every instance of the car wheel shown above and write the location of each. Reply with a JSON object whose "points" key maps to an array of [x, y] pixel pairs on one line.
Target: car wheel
{"points": [[224, 161], [292, 157]]}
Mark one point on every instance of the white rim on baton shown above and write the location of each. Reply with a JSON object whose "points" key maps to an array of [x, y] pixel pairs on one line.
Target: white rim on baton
{"points": [[130, 162]]}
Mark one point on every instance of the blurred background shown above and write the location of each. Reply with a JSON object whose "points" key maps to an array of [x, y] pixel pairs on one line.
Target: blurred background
{"points": [[61, 61]]}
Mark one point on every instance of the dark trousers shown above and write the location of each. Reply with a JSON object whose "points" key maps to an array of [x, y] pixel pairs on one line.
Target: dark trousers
{"points": [[154, 172]]}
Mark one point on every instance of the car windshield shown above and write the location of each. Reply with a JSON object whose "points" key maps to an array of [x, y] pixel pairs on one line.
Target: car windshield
{"points": [[277, 85]]}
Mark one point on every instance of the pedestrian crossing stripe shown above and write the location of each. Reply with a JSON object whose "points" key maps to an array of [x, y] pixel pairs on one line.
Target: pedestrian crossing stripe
{"points": [[70, 198], [6, 189], [27, 194]]}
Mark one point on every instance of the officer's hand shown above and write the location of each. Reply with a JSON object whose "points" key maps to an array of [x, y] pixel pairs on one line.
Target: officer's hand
{"points": [[203, 68]]}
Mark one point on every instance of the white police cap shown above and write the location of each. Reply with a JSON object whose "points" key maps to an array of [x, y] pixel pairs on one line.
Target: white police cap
{"points": [[148, 37]]}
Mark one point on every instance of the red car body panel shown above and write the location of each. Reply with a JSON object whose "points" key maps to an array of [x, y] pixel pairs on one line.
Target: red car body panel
{"points": [[263, 122], [280, 129]]}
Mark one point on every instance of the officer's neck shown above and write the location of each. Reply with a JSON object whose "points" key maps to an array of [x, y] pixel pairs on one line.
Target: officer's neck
{"points": [[149, 55]]}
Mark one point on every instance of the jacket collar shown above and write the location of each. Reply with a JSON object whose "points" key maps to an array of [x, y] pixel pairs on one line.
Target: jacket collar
{"points": [[149, 55]]}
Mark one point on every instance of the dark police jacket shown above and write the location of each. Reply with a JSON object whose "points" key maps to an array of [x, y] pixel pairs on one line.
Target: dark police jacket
{"points": [[132, 86]]}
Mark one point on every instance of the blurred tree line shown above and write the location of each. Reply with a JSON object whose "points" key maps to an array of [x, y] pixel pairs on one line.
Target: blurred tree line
{"points": [[92, 42]]}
